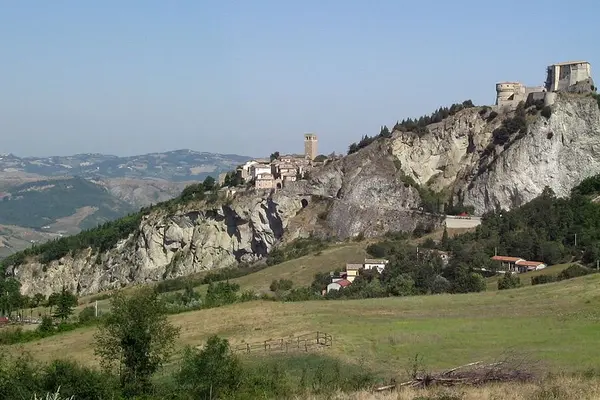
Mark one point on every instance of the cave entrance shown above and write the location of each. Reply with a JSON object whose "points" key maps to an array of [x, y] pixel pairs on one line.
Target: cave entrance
{"points": [[278, 185], [304, 203]]}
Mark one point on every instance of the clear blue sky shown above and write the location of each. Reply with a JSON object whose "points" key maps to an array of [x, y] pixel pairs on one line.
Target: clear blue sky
{"points": [[250, 77]]}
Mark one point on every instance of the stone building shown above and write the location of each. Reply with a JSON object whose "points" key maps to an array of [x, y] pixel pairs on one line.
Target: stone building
{"points": [[572, 76], [310, 146], [563, 75]]}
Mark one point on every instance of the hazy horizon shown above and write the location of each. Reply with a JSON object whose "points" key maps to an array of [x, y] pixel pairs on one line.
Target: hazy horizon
{"points": [[250, 78]]}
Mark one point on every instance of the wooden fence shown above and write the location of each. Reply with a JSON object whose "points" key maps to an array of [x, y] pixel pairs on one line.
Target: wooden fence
{"points": [[307, 342]]}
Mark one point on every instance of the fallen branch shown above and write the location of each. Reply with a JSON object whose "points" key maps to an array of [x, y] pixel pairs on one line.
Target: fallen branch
{"points": [[474, 373]]}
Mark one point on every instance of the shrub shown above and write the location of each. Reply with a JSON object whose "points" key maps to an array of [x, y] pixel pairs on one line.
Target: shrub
{"points": [[542, 279], [80, 382], [213, 371], [87, 315], [509, 281], [440, 285], [546, 112], [492, 116], [573, 271]]}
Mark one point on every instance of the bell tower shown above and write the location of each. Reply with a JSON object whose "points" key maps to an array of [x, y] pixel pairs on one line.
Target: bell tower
{"points": [[310, 146]]}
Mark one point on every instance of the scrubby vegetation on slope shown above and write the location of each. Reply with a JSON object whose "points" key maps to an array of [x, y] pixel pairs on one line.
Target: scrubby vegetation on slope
{"points": [[417, 125]]}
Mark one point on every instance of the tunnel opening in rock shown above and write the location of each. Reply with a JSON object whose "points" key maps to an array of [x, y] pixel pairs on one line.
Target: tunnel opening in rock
{"points": [[278, 185], [304, 203]]}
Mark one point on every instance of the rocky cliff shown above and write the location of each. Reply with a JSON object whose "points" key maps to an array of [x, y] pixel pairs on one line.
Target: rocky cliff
{"points": [[459, 155], [359, 194], [369, 192]]}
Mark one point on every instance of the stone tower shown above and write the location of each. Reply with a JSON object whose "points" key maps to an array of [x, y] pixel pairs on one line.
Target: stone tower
{"points": [[310, 146]]}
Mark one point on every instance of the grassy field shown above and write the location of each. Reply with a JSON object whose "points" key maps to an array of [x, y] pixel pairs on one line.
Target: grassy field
{"points": [[555, 323]]}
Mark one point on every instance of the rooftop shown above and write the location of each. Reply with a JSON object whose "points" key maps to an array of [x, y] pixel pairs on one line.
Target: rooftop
{"points": [[376, 261], [524, 263], [569, 63], [507, 259]]}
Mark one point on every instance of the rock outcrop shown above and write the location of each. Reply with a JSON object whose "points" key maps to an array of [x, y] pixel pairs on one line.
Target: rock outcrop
{"points": [[458, 154], [359, 194]]}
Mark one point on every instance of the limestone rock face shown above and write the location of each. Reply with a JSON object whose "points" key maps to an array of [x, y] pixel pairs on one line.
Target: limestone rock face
{"points": [[359, 194], [170, 246], [458, 155]]}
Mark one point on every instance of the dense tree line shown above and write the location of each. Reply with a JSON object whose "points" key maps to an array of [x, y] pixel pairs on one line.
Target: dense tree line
{"points": [[417, 125], [548, 229]]}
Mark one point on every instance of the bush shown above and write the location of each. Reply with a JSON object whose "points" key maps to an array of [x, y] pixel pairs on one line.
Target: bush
{"points": [[440, 285], [78, 381], [546, 112], [509, 281], [213, 371], [87, 315], [542, 279], [573, 271]]}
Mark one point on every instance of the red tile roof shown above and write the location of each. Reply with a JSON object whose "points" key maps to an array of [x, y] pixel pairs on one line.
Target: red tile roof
{"points": [[524, 263], [506, 259], [344, 282]]}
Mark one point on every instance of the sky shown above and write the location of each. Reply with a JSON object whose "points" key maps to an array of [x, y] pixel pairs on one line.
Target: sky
{"points": [[251, 77]]}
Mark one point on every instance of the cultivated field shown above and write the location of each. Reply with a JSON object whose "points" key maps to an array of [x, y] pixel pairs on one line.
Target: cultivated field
{"points": [[555, 325]]}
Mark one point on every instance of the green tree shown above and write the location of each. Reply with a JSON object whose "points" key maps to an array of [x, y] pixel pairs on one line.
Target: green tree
{"points": [[213, 372], [509, 281], [52, 301], [10, 295], [274, 156], [38, 300], [209, 183], [444, 241], [65, 303], [137, 338]]}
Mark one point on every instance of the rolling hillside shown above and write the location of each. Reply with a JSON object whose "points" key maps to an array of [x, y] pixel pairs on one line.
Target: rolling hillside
{"points": [[553, 325]]}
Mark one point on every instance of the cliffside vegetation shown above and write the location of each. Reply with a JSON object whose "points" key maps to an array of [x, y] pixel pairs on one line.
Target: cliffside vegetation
{"points": [[548, 229], [417, 125], [107, 235]]}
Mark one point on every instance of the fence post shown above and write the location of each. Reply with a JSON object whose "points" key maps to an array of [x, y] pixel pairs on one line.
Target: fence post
{"points": [[248, 347]]}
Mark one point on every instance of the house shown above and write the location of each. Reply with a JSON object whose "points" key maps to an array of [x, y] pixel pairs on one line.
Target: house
{"points": [[264, 181], [352, 271], [508, 263], [338, 284], [259, 169], [524, 266], [378, 264], [244, 169]]}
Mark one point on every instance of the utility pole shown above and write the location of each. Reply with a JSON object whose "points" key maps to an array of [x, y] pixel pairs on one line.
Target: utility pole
{"points": [[597, 265], [96, 309], [575, 240]]}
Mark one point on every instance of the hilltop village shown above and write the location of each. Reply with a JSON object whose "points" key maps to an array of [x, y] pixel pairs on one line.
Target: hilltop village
{"points": [[276, 171]]}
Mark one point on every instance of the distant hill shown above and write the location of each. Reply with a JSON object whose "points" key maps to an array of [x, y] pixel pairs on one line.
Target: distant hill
{"points": [[46, 204], [178, 165], [45, 197]]}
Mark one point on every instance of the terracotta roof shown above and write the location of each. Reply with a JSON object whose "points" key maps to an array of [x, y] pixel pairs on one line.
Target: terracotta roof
{"points": [[344, 282], [507, 259], [529, 263]]}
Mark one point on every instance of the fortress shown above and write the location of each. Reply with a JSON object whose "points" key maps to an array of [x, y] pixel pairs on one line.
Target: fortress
{"points": [[574, 76]]}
